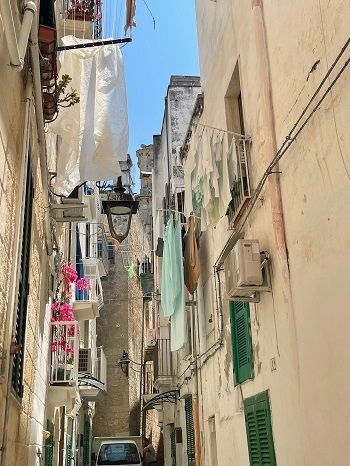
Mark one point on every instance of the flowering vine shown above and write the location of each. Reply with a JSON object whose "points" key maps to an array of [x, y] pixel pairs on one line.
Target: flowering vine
{"points": [[62, 311]]}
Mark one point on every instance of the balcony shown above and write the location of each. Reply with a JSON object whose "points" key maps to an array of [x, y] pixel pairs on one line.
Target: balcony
{"points": [[64, 362], [163, 368], [151, 341], [88, 303], [240, 189], [100, 252], [92, 377]]}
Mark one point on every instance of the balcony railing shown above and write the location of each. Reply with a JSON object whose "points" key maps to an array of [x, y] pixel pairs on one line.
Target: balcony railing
{"points": [[64, 353], [163, 366], [93, 294], [240, 189], [93, 361], [102, 250]]}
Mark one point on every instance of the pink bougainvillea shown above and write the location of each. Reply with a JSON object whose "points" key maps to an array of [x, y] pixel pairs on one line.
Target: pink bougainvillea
{"points": [[62, 311], [83, 284]]}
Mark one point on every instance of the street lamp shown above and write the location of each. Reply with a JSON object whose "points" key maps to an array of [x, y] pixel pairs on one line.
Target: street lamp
{"points": [[119, 204], [125, 361]]}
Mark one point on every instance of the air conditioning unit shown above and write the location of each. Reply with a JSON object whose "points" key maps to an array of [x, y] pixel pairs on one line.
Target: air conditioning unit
{"points": [[77, 207], [246, 272], [151, 338]]}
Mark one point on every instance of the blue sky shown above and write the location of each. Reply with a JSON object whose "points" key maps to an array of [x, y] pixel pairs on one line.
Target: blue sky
{"points": [[152, 57]]}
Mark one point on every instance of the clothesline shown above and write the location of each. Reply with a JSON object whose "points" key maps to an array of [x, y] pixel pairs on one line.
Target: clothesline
{"points": [[241, 136], [178, 212]]}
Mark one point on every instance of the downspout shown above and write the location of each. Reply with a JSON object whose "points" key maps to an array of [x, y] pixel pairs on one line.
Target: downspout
{"points": [[34, 48], [17, 49], [264, 81]]}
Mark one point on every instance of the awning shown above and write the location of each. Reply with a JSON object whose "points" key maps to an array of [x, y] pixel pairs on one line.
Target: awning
{"points": [[166, 397], [85, 379]]}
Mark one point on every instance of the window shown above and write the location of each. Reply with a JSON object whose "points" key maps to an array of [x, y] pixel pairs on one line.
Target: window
{"points": [[86, 441], [68, 450], [241, 341], [213, 446], [191, 458], [49, 444], [173, 445], [23, 287], [239, 170], [259, 430], [119, 453]]}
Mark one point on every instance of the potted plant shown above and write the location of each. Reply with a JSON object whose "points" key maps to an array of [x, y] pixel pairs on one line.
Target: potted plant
{"points": [[58, 96]]}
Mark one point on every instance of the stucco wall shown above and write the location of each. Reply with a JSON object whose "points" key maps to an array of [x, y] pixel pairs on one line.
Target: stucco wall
{"points": [[26, 416], [302, 325]]}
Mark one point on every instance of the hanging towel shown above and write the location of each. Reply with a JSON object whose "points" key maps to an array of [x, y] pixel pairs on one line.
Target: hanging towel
{"points": [[178, 325], [166, 285], [191, 259]]}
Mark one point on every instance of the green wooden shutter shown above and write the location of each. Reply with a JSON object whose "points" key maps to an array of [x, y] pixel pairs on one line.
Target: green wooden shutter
{"points": [[259, 430], [49, 444], [191, 452], [23, 288], [68, 450], [173, 446], [241, 341], [86, 442]]}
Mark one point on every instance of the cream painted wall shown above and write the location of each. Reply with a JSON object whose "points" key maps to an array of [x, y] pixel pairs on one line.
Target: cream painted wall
{"points": [[302, 324]]}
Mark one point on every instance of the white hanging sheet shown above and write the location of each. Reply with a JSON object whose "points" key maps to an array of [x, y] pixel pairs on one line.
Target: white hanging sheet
{"points": [[94, 133]]}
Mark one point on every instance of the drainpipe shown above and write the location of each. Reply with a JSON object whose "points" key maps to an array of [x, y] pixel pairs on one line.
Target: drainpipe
{"points": [[17, 50], [274, 188], [34, 48]]}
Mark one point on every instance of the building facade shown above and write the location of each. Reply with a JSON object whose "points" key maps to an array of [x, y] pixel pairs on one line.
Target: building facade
{"points": [[260, 363]]}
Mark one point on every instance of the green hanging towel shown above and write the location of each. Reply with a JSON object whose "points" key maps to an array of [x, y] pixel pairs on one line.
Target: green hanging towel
{"points": [[132, 270]]}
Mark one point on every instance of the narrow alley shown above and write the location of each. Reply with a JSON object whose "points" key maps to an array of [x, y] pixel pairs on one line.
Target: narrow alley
{"points": [[174, 232]]}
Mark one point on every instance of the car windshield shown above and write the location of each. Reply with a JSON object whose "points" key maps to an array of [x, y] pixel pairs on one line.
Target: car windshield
{"points": [[118, 453]]}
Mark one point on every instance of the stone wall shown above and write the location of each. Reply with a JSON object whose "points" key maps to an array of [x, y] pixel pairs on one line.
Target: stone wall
{"points": [[26, 415]]}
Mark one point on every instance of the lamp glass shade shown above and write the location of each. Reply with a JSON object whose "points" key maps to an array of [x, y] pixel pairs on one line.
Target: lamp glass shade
{"points": [[120, 210]]}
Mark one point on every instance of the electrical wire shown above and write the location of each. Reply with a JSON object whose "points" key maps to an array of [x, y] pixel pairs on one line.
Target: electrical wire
{"points": [[290, 139]]}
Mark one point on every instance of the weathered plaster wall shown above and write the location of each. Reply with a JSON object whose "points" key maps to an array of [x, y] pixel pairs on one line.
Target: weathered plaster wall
{"points": [[309, 387], [26, 416]]}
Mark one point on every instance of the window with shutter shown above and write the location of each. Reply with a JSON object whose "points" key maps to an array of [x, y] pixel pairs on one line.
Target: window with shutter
{"points": [[68, 450], [23, 288], [241, 341], [259, 430], [191, 459], [86, 442], [173, 445], [49, 444]]}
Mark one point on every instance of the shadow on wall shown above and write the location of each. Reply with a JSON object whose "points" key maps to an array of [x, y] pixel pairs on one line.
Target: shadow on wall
{"points": [[134, 419], [160, 451]]}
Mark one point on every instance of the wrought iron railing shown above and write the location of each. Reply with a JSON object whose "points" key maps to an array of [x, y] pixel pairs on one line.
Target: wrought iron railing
{"points": [[64, 353], [163, 366], [240, 188]]}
